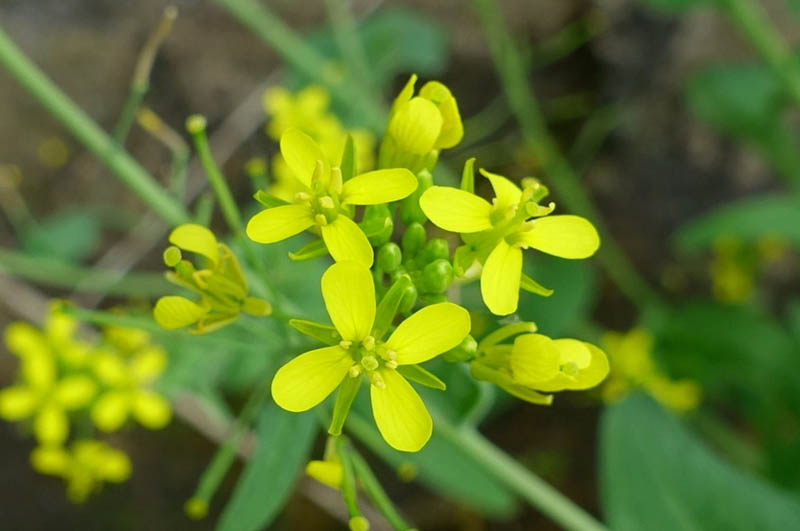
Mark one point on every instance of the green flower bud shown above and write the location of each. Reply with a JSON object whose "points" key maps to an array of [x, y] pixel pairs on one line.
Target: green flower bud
{"points": [[409, 300], [463, 352], [436, 249], [389, 257], [437, 276], [413, 239], [410, 211]]}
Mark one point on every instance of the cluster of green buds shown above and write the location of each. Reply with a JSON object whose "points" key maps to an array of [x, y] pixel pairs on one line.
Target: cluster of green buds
{"points": [[219, 281], [534, 365]]}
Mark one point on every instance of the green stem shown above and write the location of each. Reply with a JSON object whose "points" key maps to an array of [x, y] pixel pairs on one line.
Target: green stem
{"points": [[529, 486], [375, 491], [751, 19], [345, 32], [50, 272], [564, 181], [89, 133], [272, 30]]}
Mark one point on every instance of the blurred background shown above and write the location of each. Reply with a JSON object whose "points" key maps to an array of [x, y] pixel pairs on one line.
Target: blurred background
{"points": [[662, 113]]}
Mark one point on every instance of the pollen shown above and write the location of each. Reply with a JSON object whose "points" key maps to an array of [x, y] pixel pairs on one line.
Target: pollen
{"points": [[370, 363], [368, 343]]}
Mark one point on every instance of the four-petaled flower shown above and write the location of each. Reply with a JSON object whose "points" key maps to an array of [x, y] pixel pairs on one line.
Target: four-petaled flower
{"points": [[496, 233], [326, 203], [400, 414]]}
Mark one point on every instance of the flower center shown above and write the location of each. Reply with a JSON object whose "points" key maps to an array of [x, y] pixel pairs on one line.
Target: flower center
{"points": [[369, 356]]}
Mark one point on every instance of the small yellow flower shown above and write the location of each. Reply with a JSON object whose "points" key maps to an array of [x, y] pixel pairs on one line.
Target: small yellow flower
{"points": [[85, 466], [326, 203], [634, 367], [308, 110], [127, 377], [495, 233], [220, 284], [535, 364], [400, 414], [328, 472], [45, 393]]}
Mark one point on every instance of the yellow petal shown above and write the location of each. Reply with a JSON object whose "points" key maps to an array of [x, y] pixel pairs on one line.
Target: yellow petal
{"points": [[109, 367], [404, 95], [148, 364], [301, 154], [51, 425], [173, 312], [429, 332], [346, 241], [379, 186], [564, 236], [500, 279], [456, 210], [399, 412], [52, 460], [278, 223], [114, 466], [415, 126], [597, 370], [591, 361], [111, 410], [309, 378], [74, 392], [197, 239], [22, 338], [573, 351], [39, 370], [326, 472], [151, 409], [452, 129], [534, 359], [506, 193], [17, 402], [349, 294]]}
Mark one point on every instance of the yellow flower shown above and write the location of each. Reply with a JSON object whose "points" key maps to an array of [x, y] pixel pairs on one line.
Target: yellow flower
{"points": [[328, 472], [127, 378], [495, 234], [349, 294], [634, 367], [44, 393], [220, 284], [85, 466], [419, 126], [733, 272], [308, 110], [326, 202], [535, 364]]}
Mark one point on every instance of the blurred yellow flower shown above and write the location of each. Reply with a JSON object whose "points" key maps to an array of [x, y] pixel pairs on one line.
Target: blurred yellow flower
{"points": [[84, 466], [633, 366]]}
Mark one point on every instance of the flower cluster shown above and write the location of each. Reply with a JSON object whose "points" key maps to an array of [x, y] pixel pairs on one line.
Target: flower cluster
{"points": [[219, 281], [65, 381], [634, 367]]}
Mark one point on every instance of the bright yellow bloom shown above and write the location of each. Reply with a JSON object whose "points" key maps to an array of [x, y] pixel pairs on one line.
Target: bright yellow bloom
{"points": [[44, 392], [495, 233], [535, 364], [349, 294], [127, 377], [308, 110], [85, 466], [326, 203], [634, 367], [420, 126], [327, 472], [220, 284]]}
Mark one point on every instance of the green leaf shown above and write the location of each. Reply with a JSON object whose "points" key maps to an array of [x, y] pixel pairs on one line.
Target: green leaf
{"points": [[284, 442], [657, 476], [676, 5], [747, 220], [68, 236]]}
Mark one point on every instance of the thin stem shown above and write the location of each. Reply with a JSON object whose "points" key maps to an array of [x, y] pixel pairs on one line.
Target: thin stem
{"points": [[375, 491], [51, 272], [533, 489], [272, 30], [89, 133], [564, 181], [140, 83], [161, 131], [752, 20], [345, 33]]}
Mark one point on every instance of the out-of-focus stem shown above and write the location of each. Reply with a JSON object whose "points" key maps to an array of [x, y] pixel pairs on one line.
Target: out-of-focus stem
{"points": [[89, 133], [563, 179]]}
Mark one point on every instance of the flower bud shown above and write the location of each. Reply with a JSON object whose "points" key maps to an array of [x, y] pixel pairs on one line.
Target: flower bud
{"points": [[435, 249], [389, 257], [413, 239], [408, 300], [437, 276]]}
